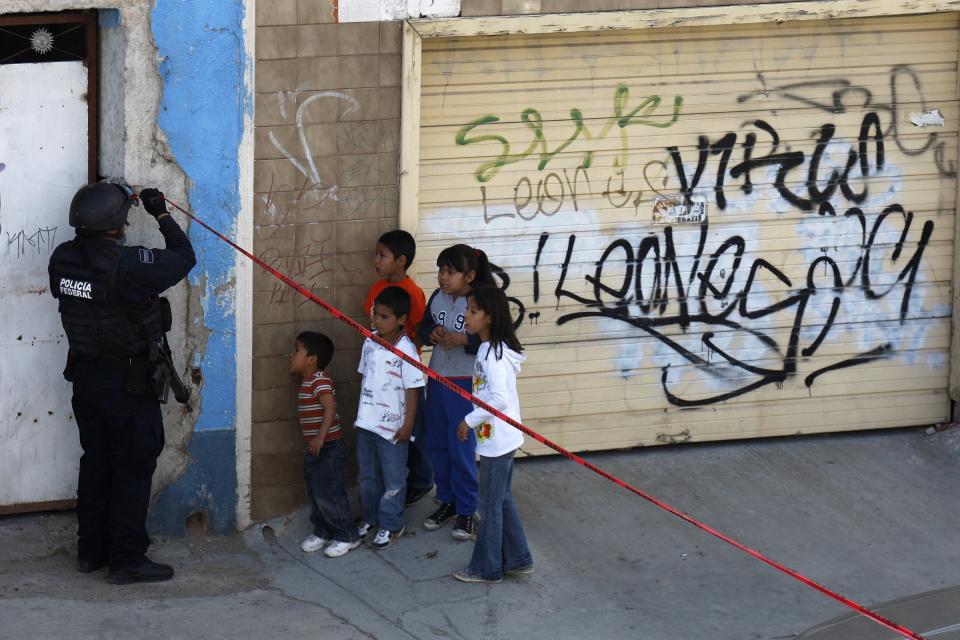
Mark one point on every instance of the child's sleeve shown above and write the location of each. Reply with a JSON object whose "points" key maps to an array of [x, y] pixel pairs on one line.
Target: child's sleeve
{"points": [[412, 377], [427, 325], [321, 386], [497, 394], [364, 350]]}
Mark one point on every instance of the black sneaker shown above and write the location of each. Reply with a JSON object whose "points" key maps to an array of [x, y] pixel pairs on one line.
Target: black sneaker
{"points": [[144, 571], [438, 518], [463, 529], [415, 495]]}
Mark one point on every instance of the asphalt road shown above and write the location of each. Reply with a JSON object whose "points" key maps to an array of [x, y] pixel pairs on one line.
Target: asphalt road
{"points": [[873, 515]]}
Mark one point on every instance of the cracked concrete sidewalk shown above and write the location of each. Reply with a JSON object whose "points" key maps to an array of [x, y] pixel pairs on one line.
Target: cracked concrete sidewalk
{"points": [[873, 515]]}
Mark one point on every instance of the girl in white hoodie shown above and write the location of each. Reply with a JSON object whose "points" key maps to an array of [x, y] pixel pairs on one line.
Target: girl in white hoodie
{"points": [[501, 547]]}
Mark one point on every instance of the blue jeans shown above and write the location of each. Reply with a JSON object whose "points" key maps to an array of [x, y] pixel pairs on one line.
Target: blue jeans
{"points": [[454, 461], [501, 544], [420, 471], [323, 475], [383, 479]]}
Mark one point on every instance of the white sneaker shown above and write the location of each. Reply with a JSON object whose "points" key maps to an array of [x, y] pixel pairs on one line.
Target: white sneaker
{"points": [[313, 543], [337, 548], [364, 529], [386, 538]]}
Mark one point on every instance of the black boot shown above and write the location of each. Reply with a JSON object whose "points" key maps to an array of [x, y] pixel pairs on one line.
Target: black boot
{"points": [[89, 565], [142, 571]]}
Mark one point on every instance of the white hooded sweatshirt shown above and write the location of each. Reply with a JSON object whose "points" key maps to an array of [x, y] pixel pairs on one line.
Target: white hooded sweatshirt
{"points": [[495, 382]]}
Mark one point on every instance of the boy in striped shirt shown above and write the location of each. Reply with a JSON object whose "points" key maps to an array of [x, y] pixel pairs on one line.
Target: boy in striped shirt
{"points": [[325, 459]]}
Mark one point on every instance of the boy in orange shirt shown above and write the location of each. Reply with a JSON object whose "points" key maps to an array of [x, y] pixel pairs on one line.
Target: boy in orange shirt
{"points": [[393, 256]]}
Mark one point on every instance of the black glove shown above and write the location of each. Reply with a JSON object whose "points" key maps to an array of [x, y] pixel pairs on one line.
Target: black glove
{"points": [[153, 202]]}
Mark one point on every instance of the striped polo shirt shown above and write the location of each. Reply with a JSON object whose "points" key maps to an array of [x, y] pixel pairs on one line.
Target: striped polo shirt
{"points": [[310, 409]]}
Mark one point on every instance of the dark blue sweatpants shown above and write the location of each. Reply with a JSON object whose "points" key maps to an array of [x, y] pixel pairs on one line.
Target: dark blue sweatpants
{"points": [[454, 462]]}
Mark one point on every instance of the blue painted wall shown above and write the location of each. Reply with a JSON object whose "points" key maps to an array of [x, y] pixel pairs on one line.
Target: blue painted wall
{"points": [[200, 44]]}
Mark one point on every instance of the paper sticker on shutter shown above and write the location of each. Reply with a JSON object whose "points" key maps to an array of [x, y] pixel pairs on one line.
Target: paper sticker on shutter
{"points": [[932, 118], [676, 211]]}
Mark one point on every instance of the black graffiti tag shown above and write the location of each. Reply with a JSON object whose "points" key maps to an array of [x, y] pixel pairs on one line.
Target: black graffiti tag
{"points": [[839, 95], [819, 189], [710, 298]]}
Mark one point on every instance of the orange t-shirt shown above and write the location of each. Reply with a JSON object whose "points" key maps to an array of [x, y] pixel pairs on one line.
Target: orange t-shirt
{"points": [[418, 302]]}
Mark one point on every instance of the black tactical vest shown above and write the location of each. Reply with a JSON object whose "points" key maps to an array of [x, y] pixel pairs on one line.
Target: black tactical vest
{"points": [[83, 275]]}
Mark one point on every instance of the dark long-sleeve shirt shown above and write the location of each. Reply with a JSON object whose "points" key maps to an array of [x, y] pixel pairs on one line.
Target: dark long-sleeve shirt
{"points": [[142, 272]]}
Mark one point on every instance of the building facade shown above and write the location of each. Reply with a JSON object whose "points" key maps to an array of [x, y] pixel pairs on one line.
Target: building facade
{"points": [[714, 220]]}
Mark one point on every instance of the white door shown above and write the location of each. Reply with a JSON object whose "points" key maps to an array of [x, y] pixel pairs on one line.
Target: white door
{"points": [[43, 161]]}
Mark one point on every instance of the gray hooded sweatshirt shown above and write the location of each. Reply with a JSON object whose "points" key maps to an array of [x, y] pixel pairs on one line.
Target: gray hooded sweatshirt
{"points": [[446, 311]]}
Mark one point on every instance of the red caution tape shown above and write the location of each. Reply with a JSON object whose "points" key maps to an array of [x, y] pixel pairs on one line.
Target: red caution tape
{"points": [[336, 313]]}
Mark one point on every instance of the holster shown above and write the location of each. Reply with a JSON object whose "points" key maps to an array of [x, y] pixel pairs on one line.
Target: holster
{"points": [[160, 382], [163, 374]]}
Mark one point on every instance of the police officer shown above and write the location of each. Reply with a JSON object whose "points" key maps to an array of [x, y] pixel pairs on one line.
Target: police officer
{"points": [[114, 322]]}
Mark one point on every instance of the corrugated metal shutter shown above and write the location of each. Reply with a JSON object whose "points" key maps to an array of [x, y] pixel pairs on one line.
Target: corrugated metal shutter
{"points": [[709, 233]]}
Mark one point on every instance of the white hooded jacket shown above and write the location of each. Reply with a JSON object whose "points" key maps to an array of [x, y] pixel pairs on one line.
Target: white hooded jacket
{"points": [[495, 382]]}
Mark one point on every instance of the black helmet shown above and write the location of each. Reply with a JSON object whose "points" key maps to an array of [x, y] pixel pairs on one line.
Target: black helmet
{"points": [[101, 206]]}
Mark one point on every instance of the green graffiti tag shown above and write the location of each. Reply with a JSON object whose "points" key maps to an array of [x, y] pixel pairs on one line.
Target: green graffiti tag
{"points": [[639, 115]]}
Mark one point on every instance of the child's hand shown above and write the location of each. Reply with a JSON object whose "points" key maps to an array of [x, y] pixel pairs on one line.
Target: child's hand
{"points": [[463, 431], [404, 434], [314, 446], [453, 339], [437, 335]]}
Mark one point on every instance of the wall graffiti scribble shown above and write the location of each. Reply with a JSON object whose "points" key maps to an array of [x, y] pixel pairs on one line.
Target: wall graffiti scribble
{"points": [[838, 289], [841, 90], [22, 242], [680, 298], [644, 114], [785, 162]]}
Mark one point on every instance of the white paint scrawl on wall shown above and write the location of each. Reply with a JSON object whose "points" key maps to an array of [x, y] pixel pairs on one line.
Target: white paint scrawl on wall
{"points": [[385, 10]]}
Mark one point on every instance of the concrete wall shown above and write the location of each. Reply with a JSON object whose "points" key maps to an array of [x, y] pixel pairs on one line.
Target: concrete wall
{"points": [[204, 111], [175, 103], [327, 140]]}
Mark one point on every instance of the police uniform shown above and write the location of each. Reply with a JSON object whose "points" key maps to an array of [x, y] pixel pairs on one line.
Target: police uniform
{"points": [[106, 293]]}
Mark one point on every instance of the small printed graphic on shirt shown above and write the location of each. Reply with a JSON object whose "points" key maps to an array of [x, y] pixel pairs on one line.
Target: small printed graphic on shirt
{"points": [[485, 431], [146, 256], [390, 418], [479, 380]]}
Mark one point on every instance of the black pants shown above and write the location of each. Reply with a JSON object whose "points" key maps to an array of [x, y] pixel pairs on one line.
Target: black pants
{"points": [[121, 436], [419, 469]]}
